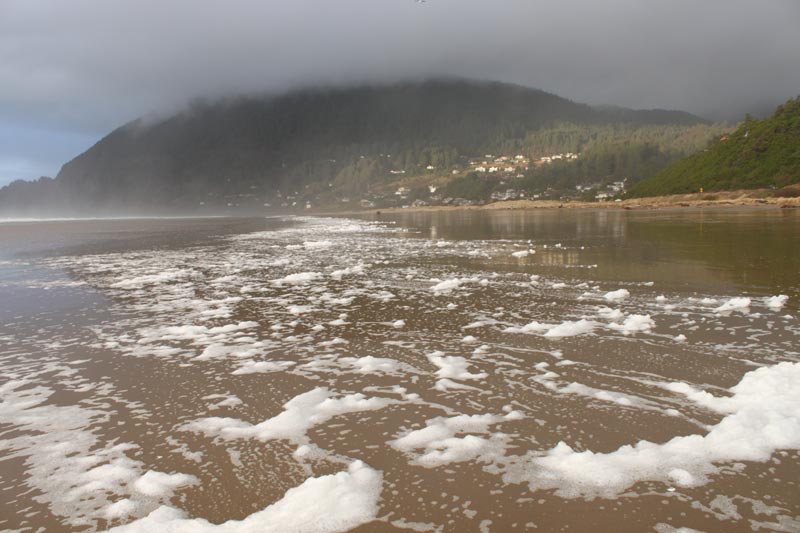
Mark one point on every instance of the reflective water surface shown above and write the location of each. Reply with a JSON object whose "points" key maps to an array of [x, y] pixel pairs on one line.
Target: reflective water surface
{"points": [[454, 371]]}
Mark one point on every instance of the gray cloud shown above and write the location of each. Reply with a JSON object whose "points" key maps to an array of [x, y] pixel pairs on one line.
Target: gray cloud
{"points": [[77, 69]]}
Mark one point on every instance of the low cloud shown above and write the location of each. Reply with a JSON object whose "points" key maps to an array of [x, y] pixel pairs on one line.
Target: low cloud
{"points": [[82, 67]]}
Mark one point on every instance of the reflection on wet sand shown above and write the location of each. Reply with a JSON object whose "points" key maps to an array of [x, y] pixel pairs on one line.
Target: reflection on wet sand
{"points": [[435, 372]]}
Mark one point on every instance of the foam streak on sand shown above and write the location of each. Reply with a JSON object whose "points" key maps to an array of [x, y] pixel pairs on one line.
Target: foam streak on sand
{"points": [[300, 414], [336, 502], [763, 415], [441, 446], [453, 367], [556, 331], [77, 475]]}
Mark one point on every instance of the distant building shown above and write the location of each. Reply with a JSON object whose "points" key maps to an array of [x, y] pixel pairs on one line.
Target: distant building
{"points": [[558, 157], [509, 194]]}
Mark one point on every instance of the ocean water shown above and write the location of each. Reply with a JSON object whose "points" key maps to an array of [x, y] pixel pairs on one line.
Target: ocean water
{"points": [[453, 371]]}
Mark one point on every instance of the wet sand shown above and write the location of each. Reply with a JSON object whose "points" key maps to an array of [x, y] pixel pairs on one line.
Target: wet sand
{"points": [[453, 371]]}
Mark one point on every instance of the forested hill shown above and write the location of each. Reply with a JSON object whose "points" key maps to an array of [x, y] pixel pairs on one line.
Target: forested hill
{"points": [[251, 150], [760, 153]]}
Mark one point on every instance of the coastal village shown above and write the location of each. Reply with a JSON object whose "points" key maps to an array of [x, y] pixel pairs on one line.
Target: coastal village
{"points": [[427, 186]]}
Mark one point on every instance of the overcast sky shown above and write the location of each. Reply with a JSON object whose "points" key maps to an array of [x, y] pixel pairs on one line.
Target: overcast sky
{"points": [[70, 71]]}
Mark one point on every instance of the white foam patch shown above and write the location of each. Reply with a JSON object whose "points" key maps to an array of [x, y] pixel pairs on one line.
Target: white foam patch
{"points": [[263, 367], [763, 415], [666, 528], [571, 328], [372, 365], [634, 324], [216, 351], [120, 509], [776, 303], [480, 323], [446, 286], [301, 278], [300, 414], [610, 314], [567, 328], [453, 367], [440, 445], [741, 304], [226, 400], [445, 384], [606, 396], [197, 334], [315, 245], [455, 450], [299, 309], [332, 503], [339, 274], [160, 485], [616, 296]]}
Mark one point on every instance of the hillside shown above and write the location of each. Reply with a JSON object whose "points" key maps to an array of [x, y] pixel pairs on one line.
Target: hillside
{"points": [[325, 145], [760, 153]]}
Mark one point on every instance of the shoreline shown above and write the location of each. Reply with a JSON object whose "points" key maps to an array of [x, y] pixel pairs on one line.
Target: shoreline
{"points": [[747, 199], [756, 198]]}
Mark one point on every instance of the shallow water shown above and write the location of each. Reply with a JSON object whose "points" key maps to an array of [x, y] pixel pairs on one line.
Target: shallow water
{"points": [[456, 371]]}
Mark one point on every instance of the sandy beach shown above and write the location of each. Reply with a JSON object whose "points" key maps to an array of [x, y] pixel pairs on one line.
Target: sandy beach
{"points": [[764, 198]]}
